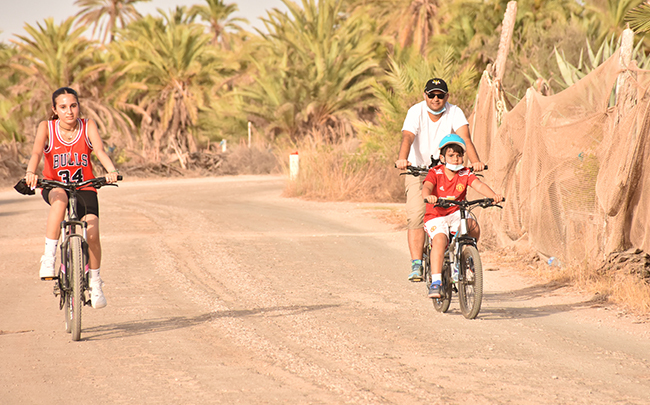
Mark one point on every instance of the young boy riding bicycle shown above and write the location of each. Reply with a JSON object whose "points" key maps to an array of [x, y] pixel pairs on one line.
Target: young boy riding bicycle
{"points": [[448, 180]]}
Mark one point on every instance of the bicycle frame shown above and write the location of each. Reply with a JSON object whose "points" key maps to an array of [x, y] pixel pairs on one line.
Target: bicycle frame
{"points": [[457, 241], [68, 231]]}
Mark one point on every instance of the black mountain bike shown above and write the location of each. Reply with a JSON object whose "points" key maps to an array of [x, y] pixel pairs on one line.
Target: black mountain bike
{"points": [[462, 270], [72, 283]]}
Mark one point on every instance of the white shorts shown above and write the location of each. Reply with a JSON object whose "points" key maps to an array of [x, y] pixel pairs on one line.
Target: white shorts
{"points": [[444, 225]]}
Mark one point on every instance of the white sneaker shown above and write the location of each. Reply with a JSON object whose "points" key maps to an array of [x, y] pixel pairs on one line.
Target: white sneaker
{"points": [[47, 267], [97, 298]]}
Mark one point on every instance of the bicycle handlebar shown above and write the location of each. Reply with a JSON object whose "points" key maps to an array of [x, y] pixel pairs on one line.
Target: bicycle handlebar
{"points": [[97, 182], [422, 170], [483, 202]]}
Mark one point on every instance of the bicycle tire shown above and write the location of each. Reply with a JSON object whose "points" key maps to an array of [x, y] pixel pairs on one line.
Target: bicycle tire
{"points": [[65, 281], [470, 285], [77, 273], [67, 310], [442, 304], [426, 263]]}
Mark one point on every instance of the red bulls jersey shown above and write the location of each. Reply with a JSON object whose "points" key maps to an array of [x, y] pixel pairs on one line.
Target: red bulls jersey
{"points": [[68, 161]]}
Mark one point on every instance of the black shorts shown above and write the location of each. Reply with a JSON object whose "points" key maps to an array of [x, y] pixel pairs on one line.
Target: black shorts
{"points": [[87, 202]]}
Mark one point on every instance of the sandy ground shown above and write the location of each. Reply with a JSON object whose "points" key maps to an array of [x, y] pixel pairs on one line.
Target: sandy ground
{"points": [[222, 291]]}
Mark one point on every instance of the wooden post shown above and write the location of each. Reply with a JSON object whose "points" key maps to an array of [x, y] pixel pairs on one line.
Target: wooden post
{"points": [[294, 165], [249, 134], [507, 28], [626, 94], [627, 45]]}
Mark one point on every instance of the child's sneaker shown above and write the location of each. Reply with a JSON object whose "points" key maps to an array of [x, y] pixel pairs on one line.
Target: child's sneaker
{"points": [[97, 298], [47, 271], [416, 272], [435, 289]]}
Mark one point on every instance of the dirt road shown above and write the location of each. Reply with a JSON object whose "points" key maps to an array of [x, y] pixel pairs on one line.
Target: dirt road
{"points": [[221, 291]]}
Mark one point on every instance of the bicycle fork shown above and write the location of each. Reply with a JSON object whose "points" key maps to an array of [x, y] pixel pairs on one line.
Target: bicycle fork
{"points": [[455, 248], [68, 228]]}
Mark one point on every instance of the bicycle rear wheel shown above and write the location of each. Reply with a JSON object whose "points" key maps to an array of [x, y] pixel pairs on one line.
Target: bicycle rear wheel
{"points": [[76, 271], [470, 284], [442, 304]]}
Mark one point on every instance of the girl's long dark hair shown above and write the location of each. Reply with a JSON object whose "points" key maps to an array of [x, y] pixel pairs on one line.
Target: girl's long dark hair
{"points": [[56, 94]]}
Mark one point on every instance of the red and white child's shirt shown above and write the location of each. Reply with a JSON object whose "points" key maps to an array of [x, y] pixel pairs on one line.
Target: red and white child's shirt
{"points": [[454, 189], [68, 161]]}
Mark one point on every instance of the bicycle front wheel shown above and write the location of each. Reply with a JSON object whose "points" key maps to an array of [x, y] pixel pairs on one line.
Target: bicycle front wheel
{"points": [[67, 308], [77, 295], [470, 284]]}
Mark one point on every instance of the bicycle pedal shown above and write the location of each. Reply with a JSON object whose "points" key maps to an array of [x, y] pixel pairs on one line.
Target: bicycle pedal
{"points": [[49, 278]]}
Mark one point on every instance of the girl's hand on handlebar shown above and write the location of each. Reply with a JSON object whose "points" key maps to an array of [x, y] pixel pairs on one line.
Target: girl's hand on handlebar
{"points": [[432, 199], [111, 177], [402, 163], [497, 198], [31, 180]]}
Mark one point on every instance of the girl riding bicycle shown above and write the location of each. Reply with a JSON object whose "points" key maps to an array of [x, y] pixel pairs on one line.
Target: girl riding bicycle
{"points": [[448, 180], [66, 141]]}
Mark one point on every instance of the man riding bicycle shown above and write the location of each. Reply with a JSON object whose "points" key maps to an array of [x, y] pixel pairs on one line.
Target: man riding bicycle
{"points": [[426, 123]]}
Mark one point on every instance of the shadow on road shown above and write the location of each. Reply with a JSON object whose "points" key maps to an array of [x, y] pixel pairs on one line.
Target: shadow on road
{"points": [[492, 310], [146, 326]]}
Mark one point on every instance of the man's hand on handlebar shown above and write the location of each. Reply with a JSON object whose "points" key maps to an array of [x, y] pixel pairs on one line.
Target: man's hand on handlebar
{"points": [[497, 198], [478, 166], [402, 164]]}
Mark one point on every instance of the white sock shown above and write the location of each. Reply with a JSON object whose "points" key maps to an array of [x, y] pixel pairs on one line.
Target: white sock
{"points": [[94, 275], [50, 246], [436, 277]]}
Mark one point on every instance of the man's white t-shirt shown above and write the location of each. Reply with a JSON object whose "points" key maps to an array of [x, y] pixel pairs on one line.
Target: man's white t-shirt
{"points": [[428, 134]]}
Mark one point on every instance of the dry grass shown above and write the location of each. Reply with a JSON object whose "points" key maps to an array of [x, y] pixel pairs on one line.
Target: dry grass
{"points": [[338, 173], [12, 163], [623, 288]]}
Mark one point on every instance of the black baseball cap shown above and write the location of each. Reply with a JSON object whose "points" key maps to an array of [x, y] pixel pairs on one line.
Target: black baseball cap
{"points": [[436, 84]]}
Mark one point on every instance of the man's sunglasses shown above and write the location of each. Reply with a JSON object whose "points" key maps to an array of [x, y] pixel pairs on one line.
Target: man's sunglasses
{"points": [[434, 95]]}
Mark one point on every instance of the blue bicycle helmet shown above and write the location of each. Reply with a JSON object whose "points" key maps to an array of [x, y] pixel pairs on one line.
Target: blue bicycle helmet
{"points": [[452, 139]]}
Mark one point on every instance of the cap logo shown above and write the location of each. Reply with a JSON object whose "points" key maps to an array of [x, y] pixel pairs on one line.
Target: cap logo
{"points": [[436, 81]]}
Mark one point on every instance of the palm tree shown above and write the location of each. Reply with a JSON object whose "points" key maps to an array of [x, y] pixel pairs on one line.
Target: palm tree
{"points": [[171, 70], [610, 19], [104, 15], [315, 67], [410, 22], [53, 56], [9, 125], [49, 57], [217, 15], [639, 18]]}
